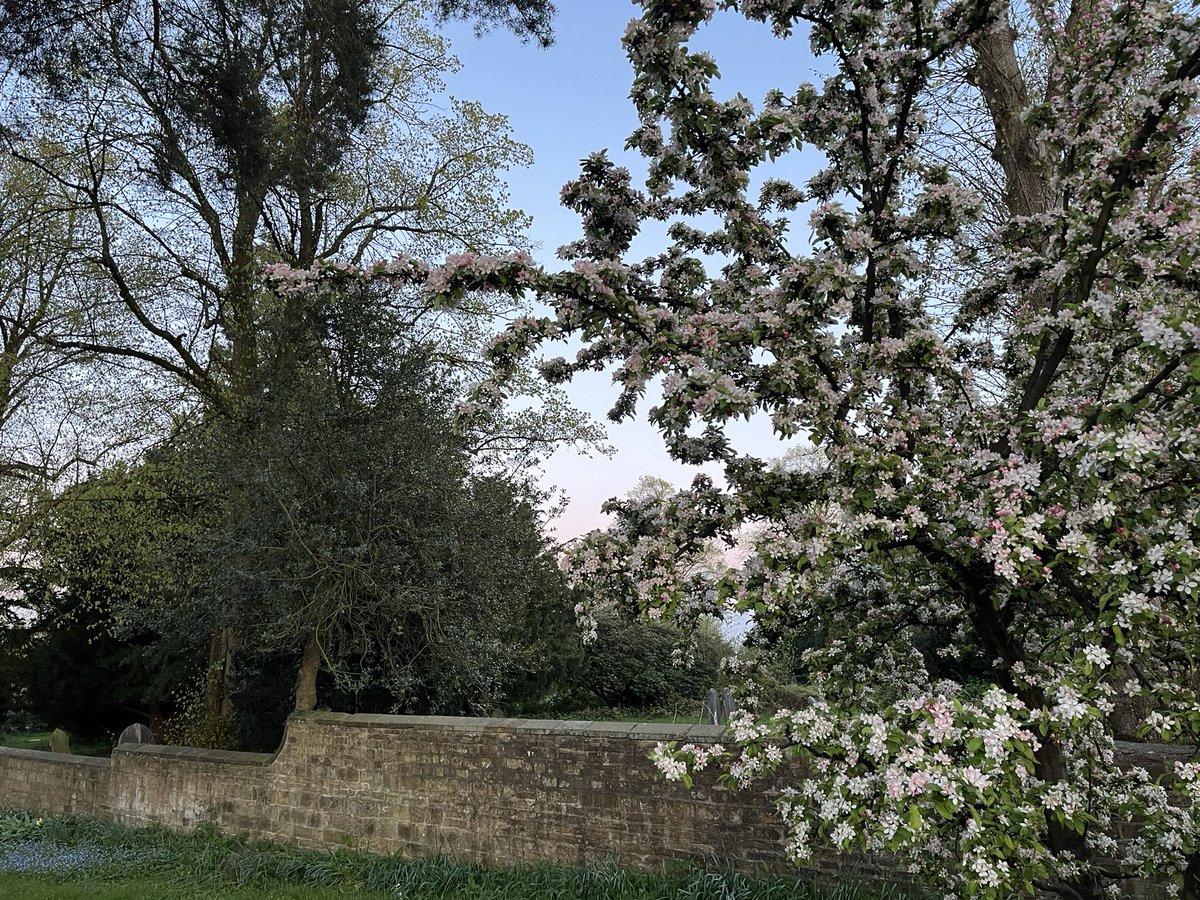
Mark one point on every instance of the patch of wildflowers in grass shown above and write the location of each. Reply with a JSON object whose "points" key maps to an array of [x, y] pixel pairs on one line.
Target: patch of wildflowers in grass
{"points": [[46, 858], [86, 851]]}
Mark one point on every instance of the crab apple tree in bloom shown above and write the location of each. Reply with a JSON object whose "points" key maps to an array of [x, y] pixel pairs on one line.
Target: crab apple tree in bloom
{"points": [[1001, 387]]}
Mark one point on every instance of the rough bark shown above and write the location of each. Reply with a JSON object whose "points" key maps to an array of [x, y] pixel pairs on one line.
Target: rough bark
{"points": [[239, 312], [1026, 168], [217, 701], [239, 319], [306, 680], [1191, 878]]}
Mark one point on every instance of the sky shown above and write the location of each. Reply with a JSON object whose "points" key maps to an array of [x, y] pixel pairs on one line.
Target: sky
{"points": [[571, 100]]}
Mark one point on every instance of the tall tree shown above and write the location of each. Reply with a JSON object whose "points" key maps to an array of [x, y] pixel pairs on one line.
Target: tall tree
{"points": [[1008, 414], [207, 138], [61, 411], [216, 136], [351, 522]]}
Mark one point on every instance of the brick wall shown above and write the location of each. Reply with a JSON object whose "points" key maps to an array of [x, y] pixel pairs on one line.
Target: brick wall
{"points": [[497, 791], [54, 783], [491, 790]]}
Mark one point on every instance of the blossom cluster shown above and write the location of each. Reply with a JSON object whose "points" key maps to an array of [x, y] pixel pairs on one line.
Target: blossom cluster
{"points": [[991, 553]]}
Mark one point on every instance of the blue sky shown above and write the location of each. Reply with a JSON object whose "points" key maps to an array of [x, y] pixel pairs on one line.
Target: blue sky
{"points": [[572, 100]]}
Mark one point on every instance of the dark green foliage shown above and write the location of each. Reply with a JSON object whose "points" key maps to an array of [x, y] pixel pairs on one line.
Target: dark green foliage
{"points": [[222, 40], [338, 42], [13, 715], [44, 37], [74, 673], [551, 646], [527, 18], [263, 687], [348, 507], [340, 501], [629, 665], [283, 118], [111, 541], [81, 660], [515, 608]]}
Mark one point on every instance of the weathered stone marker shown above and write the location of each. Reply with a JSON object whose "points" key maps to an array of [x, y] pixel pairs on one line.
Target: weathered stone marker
{"points": [[137, 733], [719, 707], [712, 708], [728, 705], [59, 741]]}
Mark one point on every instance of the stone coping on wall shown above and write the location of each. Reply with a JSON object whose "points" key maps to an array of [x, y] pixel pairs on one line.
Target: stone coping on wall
{"points": [[198, 754], [647, 731], [638, 731], [96, 762], [1154, 757]]}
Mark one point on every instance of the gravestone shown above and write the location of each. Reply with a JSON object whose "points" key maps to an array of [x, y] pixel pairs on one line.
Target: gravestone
{"points": [[728, 705], [719, 707], [136, 733], [59, 741], [712, 708]]}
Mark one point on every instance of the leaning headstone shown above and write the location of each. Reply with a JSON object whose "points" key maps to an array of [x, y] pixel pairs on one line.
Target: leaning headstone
{"points": [[712, 708], [136, 733], [59, 742], [728, 705]]}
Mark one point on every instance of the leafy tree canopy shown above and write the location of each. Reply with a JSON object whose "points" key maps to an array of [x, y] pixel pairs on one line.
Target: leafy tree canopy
{"points": [[350, 516], [201, 140], [1003, 386]]}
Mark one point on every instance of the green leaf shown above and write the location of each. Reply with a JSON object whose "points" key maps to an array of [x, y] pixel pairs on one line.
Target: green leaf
{"points": [[915, 820]]}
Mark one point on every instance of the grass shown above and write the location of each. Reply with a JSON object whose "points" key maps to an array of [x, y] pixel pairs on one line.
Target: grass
{"points": [[66, 857], [34, 887], [40, 740]]}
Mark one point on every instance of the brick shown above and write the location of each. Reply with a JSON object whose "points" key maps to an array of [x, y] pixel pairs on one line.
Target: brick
{"points": [[496, 790]]}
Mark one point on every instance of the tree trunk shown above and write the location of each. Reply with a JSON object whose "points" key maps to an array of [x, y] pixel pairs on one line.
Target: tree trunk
{"points": [[1191, 878], [1051, 767], [1027, 176], [158, 722], [241, 325], [240, 328], [217, 701], [998, 77], [306, 680]]}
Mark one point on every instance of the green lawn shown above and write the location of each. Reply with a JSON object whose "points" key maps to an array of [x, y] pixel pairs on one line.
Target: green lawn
{"points": [[33, 887], [69, 858], [40, 740], [83, 887]]}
